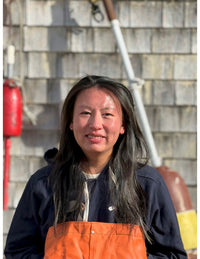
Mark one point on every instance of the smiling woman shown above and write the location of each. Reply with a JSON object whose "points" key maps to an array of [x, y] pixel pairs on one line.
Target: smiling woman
{"points": [[97, 198]]}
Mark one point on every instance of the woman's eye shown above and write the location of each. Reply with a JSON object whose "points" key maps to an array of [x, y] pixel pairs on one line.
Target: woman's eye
{"points": [[85, 113], [107, 114]]}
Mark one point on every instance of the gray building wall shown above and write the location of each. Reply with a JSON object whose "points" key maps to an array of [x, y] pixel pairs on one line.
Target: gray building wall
{"points": [[62, 42]]}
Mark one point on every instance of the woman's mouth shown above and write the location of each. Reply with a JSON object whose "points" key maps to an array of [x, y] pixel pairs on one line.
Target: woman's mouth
{"points": [[94, 136], [95, 139]]}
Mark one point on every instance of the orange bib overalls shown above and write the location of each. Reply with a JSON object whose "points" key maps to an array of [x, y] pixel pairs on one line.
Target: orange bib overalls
{"points": [[95, 240]]}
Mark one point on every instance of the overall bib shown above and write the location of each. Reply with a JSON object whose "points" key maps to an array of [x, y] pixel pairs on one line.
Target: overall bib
{"points": [[95, 240]]}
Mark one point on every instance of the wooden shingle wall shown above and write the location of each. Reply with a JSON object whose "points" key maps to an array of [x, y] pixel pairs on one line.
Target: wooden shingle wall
{"points": [[62, 42]]}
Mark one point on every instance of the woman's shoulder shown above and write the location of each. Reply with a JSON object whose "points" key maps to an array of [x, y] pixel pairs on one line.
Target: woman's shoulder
{"points": [[41, 173], [39, 179], [153, 184], [148, 175]]}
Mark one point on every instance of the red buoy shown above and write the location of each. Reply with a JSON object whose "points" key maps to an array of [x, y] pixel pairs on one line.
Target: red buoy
{"points": [[12, 126]]}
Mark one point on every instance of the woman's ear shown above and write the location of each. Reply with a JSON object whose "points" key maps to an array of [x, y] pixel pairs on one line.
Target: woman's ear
{"points": [[122, 130], [71, 126]]}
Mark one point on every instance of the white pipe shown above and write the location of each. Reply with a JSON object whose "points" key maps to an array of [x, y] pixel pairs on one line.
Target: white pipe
{"points": [[144, 123]]}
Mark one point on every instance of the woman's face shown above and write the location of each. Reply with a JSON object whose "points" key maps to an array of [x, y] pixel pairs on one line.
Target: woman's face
{"points": [[97, 121]]}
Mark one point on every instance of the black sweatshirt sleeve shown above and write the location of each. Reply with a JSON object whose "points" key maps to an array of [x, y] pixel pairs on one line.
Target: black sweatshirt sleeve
{"points": [[161, 218], [27, 232]]}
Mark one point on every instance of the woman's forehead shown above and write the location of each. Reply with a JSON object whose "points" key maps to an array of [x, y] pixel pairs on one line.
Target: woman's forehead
{"points": [[95, 96]]}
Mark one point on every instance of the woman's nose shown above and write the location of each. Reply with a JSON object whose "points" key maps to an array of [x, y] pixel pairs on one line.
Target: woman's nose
{"points": [[95, 121]]}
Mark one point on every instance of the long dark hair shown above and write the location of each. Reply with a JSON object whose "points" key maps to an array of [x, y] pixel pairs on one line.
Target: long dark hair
{"points": [[129, 153]]}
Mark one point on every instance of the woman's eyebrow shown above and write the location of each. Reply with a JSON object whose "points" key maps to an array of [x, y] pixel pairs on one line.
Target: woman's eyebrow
{"points": [[104, 108], [108, 108], [84, 106]]}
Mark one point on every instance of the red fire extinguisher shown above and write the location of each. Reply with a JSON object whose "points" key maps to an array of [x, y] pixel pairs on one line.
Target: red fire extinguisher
{"points": [[12, 119]]}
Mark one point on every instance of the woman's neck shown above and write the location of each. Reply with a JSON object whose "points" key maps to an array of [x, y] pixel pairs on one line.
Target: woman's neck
{"points": [[93, 166]]}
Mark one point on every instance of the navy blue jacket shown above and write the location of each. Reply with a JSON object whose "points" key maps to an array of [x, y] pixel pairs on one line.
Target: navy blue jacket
{"points": [[35, 214]]}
